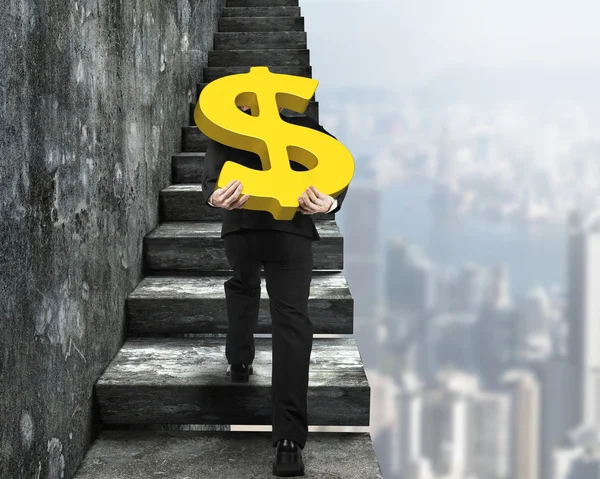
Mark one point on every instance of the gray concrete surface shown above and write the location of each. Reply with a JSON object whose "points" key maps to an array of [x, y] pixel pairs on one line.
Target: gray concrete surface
{"points": [[93, 94], [184, 381], [174, 304], [198, 246], [223, 455]]}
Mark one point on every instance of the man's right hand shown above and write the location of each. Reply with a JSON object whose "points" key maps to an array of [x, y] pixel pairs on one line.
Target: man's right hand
{"points": [[228, 196]]}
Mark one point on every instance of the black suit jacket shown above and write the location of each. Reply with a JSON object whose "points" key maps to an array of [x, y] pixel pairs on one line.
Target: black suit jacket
{"points": [[216, 156]]}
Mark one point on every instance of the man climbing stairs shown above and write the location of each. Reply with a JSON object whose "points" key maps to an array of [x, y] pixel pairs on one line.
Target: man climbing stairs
{"points": [[165, 400]]}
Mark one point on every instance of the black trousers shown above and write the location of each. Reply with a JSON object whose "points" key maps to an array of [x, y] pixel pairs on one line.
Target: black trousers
{"points": [[288, 261]]}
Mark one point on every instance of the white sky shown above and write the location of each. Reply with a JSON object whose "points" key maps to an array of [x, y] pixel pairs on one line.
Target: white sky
{"points": [[406, 41]]}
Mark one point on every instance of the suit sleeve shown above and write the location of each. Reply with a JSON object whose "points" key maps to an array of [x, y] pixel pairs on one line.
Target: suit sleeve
{"points": [[214, 159], [340, 197]]}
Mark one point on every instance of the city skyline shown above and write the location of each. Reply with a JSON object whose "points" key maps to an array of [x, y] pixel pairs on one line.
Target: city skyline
{"points": [[534, 324]]}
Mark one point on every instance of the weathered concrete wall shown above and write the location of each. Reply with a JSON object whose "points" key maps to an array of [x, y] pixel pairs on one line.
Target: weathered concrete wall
{"points": [[93, 94]]}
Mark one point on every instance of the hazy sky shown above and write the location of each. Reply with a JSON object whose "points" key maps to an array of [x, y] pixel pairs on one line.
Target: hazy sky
{"points": [[353, 42]]}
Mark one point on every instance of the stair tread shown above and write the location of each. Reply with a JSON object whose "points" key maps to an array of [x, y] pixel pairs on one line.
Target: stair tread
{"points": [[272, 68], [261, 3], [212, 73], [190, 154], [261, 24], [135, 454], [191, 229], [327, 286], [260, 11], [195, 362], [258, 50], [261, 35], [195, 244], [259, 40], [184, 303], [257, 17]]}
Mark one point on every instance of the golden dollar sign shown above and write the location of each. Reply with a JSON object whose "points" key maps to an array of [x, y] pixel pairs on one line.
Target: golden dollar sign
{"points": [[276, 187]]}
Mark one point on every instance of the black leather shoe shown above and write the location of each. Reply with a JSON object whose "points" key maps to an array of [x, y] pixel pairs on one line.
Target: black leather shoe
{"points": [[239, 373], [288, 459]]}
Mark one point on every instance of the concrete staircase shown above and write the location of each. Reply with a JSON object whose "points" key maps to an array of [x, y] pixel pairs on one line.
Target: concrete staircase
{"points": [[165, 401]]}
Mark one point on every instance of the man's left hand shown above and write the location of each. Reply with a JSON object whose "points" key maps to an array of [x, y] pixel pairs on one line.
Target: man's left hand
{"points": [[313, 201]]}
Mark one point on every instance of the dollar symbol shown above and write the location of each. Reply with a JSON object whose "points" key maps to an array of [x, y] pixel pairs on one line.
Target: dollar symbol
{"points": [[276, 187]]}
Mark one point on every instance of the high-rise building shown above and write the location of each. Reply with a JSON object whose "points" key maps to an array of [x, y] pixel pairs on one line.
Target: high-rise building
{"points": [[557, 396], [421, 289], [576, 463], [459, 292], [397, 261], [409, 278], [524, 430], [419, 469], [536, 318], [470, 287], [444, 430], [563, 460], [487, 449], [409, 403], [496, 329], [384, 417], [498, 294], [409, 288], [585, 468], [464, 429], [444, 288], [449, 340], [584, 316]]}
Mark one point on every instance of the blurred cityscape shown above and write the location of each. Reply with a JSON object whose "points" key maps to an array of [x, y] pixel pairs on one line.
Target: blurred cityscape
{"points": [[472, 251]]}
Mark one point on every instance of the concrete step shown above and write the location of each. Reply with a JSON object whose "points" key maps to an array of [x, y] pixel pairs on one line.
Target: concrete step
{"points": [[193, 140], [260, 12], [198, 246], [184, 381], [273, 57], [262, 3], [118, 454], [187, 304], [200, 87], [312, 111], [213, 73], [261, 24], [185, 202], [187, 168], [257, 40]]}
